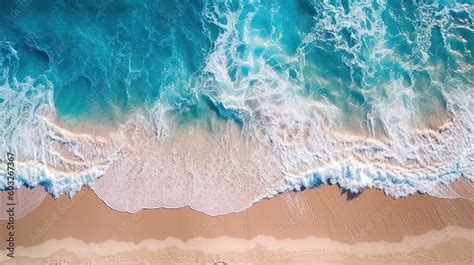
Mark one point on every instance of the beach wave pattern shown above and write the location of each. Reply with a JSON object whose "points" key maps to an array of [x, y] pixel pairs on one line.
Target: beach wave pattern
{"points": [[219, 104]]}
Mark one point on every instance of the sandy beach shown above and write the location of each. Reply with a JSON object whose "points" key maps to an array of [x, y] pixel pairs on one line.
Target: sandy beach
{"points": [[323, 225]]}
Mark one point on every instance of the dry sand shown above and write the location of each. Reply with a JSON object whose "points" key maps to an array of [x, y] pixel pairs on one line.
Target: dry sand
{"points": [[322, 225]]}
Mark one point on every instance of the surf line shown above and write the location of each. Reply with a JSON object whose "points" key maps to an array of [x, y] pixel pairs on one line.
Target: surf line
{"points": [[11, 205]]}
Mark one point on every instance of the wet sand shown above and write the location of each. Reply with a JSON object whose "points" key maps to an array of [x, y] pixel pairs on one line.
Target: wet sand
{"points": [[321, 222]]}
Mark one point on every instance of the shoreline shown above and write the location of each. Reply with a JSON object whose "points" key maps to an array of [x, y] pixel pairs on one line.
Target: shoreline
{"points": [[33, 197], [323, 212]]}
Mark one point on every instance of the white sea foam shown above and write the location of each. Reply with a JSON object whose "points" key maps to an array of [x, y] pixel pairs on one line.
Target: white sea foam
{"points": [[45, 154], [229, 169]]}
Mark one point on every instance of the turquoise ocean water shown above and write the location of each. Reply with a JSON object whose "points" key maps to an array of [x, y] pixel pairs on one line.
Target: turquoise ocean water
{"points": [[103, 60], [108, 57]]}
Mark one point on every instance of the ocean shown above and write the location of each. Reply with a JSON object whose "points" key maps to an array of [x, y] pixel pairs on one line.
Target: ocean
{"points": [[356, 93]]}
